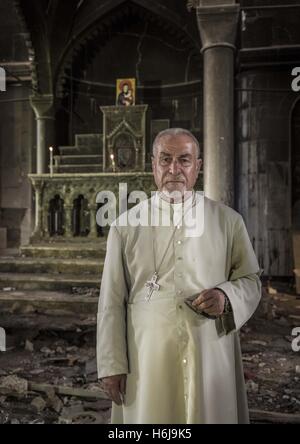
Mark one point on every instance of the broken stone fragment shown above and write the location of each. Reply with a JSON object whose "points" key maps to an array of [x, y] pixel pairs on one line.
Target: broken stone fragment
{"points": [[53, 401], [252, 387], [15, 384], [39, 404], [29, 346]]}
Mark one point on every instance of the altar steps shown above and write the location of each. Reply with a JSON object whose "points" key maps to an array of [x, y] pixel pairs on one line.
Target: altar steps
{"points": [[57, 266], [48, 281], [85, 168]]}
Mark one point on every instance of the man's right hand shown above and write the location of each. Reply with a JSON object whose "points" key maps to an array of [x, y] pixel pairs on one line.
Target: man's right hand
{"points": [[115, 387]]}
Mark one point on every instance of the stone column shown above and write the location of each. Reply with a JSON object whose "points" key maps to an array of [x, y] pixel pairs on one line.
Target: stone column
{"points": [[38, 229], [68, 220], [217, 23], [93, 223], [44, 113]]}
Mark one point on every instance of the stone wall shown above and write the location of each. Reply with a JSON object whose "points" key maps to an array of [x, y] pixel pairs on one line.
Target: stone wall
{"points": [[263, 132], [17, 129]]}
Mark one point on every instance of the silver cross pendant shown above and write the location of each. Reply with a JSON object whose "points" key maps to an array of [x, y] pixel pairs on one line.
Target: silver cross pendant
{"points": [[152, 286]]}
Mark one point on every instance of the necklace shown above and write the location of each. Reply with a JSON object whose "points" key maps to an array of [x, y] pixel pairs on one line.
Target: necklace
{"points": [[152, 284]]}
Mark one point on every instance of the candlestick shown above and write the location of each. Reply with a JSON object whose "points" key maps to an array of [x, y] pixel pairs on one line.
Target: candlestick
{"points": [[51, 160], [113, 162]]}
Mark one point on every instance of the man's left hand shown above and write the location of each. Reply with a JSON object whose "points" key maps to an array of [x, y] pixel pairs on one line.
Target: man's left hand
{"points": [[211, 302]]}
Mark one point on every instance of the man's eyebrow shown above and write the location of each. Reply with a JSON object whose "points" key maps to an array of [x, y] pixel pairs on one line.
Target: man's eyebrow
{"points": [[185, 155], [170, 155]]}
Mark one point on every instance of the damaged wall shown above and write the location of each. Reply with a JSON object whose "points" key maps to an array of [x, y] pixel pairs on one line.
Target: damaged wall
{"points": [[264, 105], [17, 128]]}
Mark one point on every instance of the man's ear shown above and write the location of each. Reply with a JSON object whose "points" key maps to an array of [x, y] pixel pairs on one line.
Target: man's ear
{"points": [[153, 163], [199, 165]]}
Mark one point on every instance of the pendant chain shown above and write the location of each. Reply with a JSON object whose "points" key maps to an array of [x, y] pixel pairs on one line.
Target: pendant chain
{"points": [[156, 270], [152, 285]]}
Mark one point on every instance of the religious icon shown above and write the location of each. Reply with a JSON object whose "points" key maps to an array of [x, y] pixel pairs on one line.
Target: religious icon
{"points": [[125, 92]]}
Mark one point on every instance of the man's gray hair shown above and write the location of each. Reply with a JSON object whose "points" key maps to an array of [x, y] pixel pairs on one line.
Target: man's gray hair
{"points": [[175, 132]]}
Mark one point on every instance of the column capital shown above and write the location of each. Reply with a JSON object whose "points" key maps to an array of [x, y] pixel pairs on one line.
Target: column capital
{"points": [[217, 24], [42, 106]]}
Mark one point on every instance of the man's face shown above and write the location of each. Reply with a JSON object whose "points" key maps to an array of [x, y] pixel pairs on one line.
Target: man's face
{"points": [[175, 164], [125, 88]]}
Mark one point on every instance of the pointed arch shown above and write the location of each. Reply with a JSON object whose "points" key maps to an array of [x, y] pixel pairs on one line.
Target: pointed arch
{"points": [[92, 30]]}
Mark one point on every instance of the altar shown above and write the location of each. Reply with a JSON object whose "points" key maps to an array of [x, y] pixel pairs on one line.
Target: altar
{"points": [[124, 138]]}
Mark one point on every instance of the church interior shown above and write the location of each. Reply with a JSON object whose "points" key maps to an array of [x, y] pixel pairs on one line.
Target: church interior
{"points": [[85, 87]]}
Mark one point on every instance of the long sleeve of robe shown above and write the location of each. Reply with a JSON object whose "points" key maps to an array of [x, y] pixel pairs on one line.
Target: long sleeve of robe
{"points": [[181, 367], [112, 312]]}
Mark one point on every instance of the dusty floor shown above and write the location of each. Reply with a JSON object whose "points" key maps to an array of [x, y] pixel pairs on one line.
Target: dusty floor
{"points": [[44, 359]]}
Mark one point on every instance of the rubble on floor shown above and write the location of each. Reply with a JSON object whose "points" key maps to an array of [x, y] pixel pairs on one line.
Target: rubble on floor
{"points": [[270, 363], [48, 373]]}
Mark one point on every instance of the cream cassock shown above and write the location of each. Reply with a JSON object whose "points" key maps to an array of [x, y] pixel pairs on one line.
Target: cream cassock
{"points": [[182, 368]]}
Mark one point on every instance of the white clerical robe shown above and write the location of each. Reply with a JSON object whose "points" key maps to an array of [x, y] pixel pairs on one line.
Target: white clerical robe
{"points": [[181, 367]]}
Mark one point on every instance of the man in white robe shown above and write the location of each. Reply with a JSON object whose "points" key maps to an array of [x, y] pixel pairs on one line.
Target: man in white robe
{"points": [[160, 361]]}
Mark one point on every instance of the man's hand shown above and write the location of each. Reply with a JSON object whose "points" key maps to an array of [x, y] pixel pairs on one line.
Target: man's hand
{"points": [[211, 302], [115, 388]]}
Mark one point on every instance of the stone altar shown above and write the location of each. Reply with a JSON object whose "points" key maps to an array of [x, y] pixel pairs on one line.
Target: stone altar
{"points": [[124, 138]]}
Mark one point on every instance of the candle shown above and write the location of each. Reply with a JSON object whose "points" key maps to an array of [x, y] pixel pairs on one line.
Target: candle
{"points": [[51, 160], [113, 162]]}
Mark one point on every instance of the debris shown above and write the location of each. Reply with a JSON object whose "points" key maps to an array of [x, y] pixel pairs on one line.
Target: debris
{"points": [[271, 290], [46, 351], [255, 342], [252, 386], [91, 367], [54, 401], [39, 404], [14, 384], [36, 371], [29, 346], [94, 393], [274, 417]]}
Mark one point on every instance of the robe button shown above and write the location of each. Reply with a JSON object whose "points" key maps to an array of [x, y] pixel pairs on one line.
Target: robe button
{"points": [[179, 242], [184, 361]]}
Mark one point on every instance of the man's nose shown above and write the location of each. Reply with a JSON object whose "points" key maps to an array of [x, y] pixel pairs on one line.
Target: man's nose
{"points": [[174, 167]]}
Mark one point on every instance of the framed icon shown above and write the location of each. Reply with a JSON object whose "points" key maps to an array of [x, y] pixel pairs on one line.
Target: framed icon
{"points": [[126, 92]]}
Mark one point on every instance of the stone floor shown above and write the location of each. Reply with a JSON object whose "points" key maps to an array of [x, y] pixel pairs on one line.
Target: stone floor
{"points": [[48, 373]]}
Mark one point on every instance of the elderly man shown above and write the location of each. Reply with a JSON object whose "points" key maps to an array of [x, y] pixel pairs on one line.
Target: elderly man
{"points": [[162, 360]]}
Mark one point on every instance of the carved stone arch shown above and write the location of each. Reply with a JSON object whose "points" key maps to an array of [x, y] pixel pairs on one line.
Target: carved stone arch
{"points": [[123, 126], [95, 33]]}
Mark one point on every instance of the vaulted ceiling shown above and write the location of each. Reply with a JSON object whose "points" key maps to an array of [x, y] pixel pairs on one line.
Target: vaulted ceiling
{"points": [[57, 32]]}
